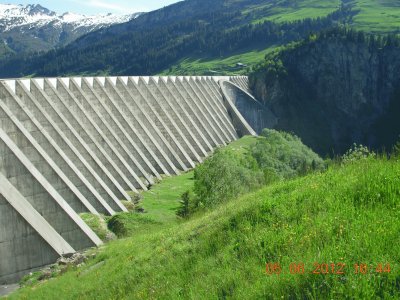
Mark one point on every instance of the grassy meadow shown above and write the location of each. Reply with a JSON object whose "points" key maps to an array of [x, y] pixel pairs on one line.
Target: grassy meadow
{"points": [[378, 16], [219, 65], [331, 234], [289, 11]]}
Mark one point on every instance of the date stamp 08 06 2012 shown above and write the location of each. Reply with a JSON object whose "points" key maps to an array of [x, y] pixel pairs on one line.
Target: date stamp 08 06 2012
{"points": [[328, 269]]}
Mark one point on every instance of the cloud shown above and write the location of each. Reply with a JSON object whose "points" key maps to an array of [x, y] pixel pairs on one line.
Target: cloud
{"points": [[121, 6], [105, 5], [102, 4]]}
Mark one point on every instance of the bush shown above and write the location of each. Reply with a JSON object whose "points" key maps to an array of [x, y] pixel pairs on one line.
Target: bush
{"points": [[184, 209], [224, 176], [130, 206], [270, 176], [230, 173], [126, 224], [283, 155], [356, 153], [98, 225]]}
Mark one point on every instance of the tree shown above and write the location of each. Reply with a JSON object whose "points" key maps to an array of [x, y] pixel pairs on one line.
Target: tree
{"points": [[184, 209]]}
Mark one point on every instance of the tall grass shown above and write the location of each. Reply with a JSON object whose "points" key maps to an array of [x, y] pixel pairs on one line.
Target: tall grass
{"points": [[349, 214]]}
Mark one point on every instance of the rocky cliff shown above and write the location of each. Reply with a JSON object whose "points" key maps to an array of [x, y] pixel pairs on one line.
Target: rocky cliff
{"points": [[335, 90]]}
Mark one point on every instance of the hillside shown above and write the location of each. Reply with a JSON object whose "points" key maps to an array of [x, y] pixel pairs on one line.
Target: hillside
{"points": [[335, 89], [155, 41], [345, 218], [201, 37], [376, 16]]}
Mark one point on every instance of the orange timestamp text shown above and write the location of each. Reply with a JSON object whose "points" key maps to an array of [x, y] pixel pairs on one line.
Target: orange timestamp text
{"points": [[299, 268]]}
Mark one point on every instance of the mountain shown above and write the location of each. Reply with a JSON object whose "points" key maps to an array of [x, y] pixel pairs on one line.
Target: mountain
{"points": [[203, 37], [35, 28], [335, 89], [154, 42]]}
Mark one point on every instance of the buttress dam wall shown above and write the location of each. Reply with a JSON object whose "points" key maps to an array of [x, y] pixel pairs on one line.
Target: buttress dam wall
{"points": [[75, 145]]}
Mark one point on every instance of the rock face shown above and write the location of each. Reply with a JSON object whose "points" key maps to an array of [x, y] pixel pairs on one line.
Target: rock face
{"points": [[334, 91]]}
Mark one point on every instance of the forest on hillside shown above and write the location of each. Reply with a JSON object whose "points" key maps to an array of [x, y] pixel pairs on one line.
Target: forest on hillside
{"points": [[214, 34]]}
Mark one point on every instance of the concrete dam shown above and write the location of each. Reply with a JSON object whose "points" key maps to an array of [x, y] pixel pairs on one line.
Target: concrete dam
{"points": [[77, 145]]}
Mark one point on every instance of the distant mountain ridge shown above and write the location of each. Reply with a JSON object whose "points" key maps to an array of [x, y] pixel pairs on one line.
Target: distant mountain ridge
{"points": [[25, 28]]}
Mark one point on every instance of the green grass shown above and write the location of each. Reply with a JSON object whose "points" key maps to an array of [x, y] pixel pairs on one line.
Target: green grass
{"points": [[162, 200], [377, 15], [97, 224], [281, 11], [218, 66], [349, 214], [242, 145], [160, 203]]}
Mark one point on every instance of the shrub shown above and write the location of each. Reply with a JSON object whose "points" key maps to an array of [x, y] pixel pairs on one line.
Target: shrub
{"points": [[129, 205], [230, 173], [126, 224], [98, 225], [184, 209], [270, 176], [283, 155], [223, 176], [356, 153]]}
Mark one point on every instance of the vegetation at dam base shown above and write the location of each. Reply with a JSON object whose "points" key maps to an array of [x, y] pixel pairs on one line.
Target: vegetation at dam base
{"points": [[232, 171], [344, 214]]}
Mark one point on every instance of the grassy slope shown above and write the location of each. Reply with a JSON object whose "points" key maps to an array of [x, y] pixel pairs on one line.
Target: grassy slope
{"points": [[160, 203], [162, 200], [279, 11], [242, 145], [218, 66], [377, 15], [348, 214]]}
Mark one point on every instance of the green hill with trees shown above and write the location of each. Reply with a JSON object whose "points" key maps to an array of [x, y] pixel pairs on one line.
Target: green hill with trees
{"points": [[202, 37]]}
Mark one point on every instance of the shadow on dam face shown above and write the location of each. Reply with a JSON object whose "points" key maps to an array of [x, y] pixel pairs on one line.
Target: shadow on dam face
{"points": [[77, 145], [249, 115]]}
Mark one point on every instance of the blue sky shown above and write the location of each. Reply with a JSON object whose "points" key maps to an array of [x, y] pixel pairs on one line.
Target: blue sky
{"points": [[90, 7]]}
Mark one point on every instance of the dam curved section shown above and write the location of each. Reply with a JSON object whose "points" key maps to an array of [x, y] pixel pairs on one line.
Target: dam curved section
{"points": [[248, 114]]}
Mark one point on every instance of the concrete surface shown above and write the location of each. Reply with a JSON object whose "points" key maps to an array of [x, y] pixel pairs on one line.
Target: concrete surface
{"points": [[74, 145]]}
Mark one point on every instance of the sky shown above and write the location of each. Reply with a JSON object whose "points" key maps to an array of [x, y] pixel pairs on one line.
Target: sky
{"points": [[92, 7]]}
